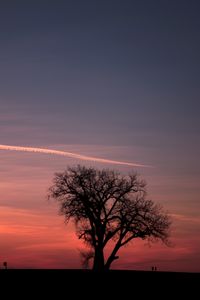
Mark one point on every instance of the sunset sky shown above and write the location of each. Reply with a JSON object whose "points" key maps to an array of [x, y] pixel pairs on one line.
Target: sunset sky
{"points": [[117, 80]]}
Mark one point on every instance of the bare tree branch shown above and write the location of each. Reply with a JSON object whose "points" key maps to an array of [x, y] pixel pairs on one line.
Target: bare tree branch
{"points": [[105, 206]]}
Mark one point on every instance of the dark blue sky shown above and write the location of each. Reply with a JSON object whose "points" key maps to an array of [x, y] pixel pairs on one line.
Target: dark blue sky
{"points": [[112, 72]]}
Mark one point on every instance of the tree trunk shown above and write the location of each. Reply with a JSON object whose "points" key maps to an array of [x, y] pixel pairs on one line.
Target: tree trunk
{"points": [[113, 256], [98, 264], [110, 261]]}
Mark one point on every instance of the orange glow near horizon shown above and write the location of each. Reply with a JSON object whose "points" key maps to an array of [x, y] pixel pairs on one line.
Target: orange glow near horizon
{"points": [[42, 240], [33, 235]]}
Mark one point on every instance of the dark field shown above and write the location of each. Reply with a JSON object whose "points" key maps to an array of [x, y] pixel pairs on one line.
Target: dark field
{"points": [[89, 284]]}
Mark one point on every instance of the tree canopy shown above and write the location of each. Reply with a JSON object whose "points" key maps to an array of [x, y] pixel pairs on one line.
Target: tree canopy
{"points": [[105, 206]]}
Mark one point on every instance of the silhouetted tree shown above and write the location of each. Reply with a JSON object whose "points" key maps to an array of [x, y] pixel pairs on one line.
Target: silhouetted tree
{"points": [[107, 206]]}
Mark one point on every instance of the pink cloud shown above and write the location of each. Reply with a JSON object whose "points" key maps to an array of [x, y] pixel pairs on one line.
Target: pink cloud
{"points": [[33, 235]]}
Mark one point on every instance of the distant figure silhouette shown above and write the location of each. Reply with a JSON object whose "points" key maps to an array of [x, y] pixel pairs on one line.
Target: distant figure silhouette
{"points": [[5, 264], [155, 268], [152, 268]]}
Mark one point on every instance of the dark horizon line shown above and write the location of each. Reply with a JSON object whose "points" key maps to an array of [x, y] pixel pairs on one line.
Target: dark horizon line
{"points": [[92, 271]]}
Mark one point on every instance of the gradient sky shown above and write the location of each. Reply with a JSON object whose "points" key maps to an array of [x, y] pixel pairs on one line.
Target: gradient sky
{"points": [[112, 79]]}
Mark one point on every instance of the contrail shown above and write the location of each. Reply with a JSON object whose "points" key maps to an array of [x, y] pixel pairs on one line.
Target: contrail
{"points": [[70, 154]]}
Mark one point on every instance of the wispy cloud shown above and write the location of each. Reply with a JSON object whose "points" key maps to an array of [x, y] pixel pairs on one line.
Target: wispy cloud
{"points": [[70, 154], [184, 218]]}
